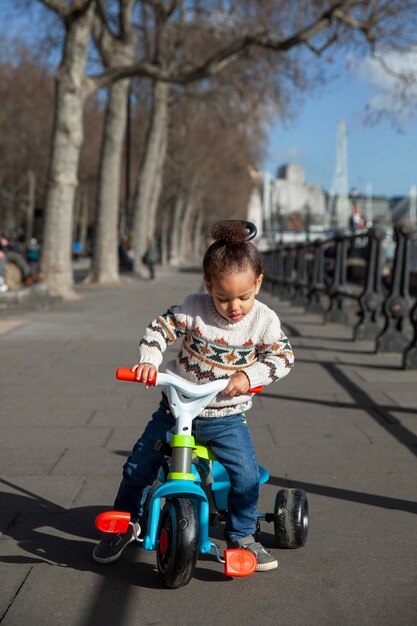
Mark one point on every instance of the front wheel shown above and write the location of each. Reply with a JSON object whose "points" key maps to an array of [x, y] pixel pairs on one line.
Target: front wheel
{"points": [[177, 548], [291, 518]]}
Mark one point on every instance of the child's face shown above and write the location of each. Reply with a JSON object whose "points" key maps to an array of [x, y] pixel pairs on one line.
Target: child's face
{"points": [[234, 293]]}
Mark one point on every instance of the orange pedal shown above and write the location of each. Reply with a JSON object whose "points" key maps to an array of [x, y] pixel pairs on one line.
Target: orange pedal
{"points": [[113, 522], [239, 562]]}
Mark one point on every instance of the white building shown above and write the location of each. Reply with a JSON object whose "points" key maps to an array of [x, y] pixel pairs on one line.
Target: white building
{"points": [[290, 195]]}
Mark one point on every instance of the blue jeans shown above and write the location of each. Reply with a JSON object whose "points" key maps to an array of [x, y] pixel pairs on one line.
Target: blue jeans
{"points": [[229, 438]]}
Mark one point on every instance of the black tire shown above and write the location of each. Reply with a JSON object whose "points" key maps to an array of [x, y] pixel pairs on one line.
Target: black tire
{"points": [[291, 518], [177, 549]]}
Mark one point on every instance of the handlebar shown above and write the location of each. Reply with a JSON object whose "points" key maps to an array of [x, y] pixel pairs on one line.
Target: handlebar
{"points": [[191, 389]]}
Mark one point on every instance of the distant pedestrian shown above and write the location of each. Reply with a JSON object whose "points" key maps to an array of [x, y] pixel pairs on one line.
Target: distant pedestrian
{"points": [[77, 250], [3, 260], [151, 258], [126, 254]]}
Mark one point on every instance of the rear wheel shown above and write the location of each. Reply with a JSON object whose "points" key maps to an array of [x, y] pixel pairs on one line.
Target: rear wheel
{"points": [[177, 548], [291, 518]]}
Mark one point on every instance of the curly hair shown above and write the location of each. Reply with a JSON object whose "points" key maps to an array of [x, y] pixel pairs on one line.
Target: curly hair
{"points": [[230, 251]]}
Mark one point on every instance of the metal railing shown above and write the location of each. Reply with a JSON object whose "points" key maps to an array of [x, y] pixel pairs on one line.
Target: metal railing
{"points": [[323, 275]]}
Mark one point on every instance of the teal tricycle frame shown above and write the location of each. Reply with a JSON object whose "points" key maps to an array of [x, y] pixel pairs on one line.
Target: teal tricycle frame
{"points": [[195, 487]]}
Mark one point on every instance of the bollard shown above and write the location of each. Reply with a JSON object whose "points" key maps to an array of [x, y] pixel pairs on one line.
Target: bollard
{"points": [[395, 309], [371, 298], [316, 280], [336, 311]]}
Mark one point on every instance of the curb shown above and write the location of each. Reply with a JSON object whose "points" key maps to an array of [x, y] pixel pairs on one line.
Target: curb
{"points": [[35, 295]]}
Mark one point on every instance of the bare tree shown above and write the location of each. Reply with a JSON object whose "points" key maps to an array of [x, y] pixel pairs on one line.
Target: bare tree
{"points": [[213, 138], [26, 95], [66, 144], [116, 49], [233, 30]]}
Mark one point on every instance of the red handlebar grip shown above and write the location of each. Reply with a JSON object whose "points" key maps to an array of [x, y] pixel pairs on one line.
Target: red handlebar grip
{"points": [[125, 373], [256, 389]]}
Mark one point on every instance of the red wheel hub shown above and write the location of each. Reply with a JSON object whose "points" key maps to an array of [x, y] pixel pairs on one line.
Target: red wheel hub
{"points": [[163, 540]]}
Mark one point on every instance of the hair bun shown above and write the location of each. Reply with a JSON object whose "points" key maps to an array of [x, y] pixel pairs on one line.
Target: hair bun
{"points": [[229, 232]]}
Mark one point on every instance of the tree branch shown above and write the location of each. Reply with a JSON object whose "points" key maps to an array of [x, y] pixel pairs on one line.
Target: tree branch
{"points": [[59, 6], [319, 51], [65, 10], [263, 39], [102, 35], [142, 68], [234, 50], [409, 78], [355, 24], [126, 7], [218, 61]]}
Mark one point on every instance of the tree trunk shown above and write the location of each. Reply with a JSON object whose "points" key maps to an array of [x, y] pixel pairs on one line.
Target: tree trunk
{"points": [[151, 171], [105, 268], [198, 235], [66, 144], [187, 231], [166, 226], [177, 229]]}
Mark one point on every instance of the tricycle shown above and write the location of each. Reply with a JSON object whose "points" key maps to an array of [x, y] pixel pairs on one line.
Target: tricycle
{"points": [[190, 495]]}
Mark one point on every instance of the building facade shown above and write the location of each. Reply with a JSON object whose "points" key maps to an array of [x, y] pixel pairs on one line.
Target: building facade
{"points": [[293, 201]]}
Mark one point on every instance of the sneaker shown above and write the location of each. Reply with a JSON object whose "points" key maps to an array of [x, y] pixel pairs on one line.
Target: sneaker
{"points": [[111, 546], [265, 560]]}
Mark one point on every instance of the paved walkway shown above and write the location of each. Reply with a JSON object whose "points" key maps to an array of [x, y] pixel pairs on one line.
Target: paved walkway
{"points": [[343, 426]]}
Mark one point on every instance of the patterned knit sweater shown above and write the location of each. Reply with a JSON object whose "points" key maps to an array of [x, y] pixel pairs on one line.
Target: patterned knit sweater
{"points": [[214, 348]]}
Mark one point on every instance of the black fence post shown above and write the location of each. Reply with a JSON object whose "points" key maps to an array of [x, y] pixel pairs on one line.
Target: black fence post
{"points": [[278, 270], [267, 267], [289, 266], [301, 280], [393, 338], [336, 311], [371, 298], [316, 280]]}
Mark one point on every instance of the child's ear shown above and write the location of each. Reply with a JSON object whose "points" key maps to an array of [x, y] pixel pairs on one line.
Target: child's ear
{"points": [[207, 284], [258, 283]]}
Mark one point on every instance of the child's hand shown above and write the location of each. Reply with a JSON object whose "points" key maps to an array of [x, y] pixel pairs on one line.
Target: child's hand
{"points": [[144, 372], [238, 385]]}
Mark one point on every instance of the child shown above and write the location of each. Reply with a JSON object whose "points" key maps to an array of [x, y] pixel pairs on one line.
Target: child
{"points": [[225, 333]]}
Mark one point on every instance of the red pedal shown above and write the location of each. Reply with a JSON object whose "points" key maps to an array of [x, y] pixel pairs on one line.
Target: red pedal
{"points": [[113, 522], [239, 562]]}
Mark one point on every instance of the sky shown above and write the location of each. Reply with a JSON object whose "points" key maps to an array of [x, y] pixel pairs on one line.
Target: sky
{"points": [[381, 157]]}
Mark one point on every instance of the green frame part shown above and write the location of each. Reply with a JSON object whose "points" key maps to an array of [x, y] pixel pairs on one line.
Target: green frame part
{"points": [[180, 476], [182, 441], [204, 453]]}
